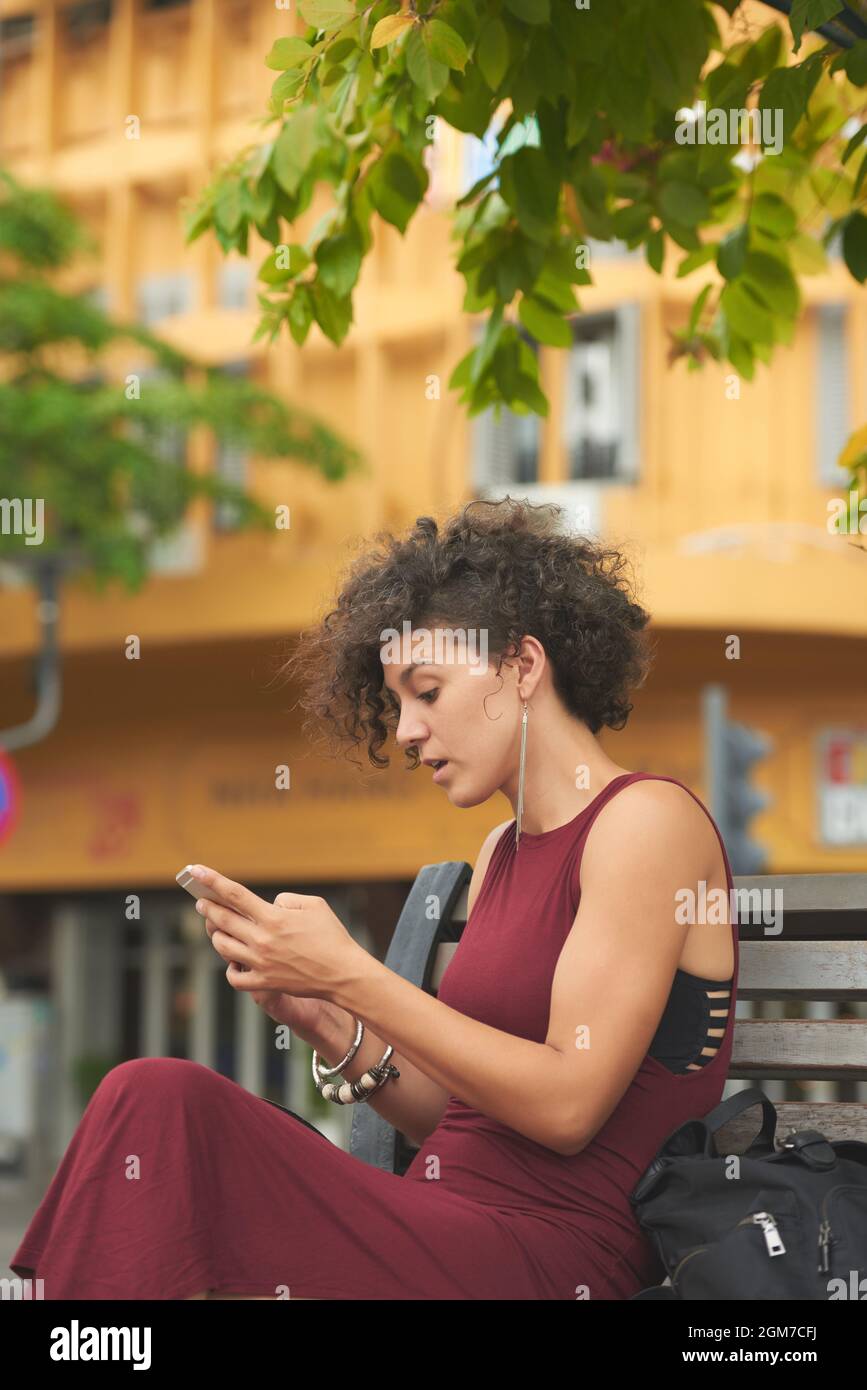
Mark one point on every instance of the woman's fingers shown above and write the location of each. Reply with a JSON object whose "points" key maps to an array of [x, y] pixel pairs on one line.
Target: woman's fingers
{"points": [[230, 948], [234, 895]]}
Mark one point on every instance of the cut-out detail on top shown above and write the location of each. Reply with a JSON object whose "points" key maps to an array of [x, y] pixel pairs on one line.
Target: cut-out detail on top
{"points": [[693, 1025]]}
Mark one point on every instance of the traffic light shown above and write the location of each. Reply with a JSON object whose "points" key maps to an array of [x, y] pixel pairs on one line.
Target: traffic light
{"points": [[731, 750]]}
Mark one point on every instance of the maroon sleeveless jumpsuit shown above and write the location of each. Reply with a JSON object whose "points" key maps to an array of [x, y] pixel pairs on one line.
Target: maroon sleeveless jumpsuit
{"points": [[177, 1179]]}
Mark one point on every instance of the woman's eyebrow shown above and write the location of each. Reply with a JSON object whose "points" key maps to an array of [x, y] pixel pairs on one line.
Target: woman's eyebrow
{"points": [[410, 670], [407, 675]]}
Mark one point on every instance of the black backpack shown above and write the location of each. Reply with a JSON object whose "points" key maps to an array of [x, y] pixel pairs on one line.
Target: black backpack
{"points": [[791, 1225]]}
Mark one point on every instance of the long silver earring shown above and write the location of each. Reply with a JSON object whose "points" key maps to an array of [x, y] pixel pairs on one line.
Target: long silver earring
{"points": [[521, 775]]}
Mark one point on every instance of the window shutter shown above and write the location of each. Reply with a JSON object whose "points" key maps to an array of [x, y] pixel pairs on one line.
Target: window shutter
{"points": [[833, 425], [231, 463], [233, 285], [601, 414], [159, 296]]}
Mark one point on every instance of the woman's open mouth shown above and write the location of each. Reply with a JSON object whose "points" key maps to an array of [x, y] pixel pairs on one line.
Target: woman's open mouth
{"points": [[439, 769]]}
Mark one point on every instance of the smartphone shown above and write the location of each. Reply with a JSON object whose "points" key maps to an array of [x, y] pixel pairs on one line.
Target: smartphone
{"points": [[187, 879]]}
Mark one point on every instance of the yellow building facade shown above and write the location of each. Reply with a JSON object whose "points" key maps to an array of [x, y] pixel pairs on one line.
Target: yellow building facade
{"points": [[721, 495]]}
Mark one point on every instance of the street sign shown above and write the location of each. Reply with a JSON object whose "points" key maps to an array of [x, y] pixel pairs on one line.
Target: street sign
{"points": [[10, 796], [842, 787]]}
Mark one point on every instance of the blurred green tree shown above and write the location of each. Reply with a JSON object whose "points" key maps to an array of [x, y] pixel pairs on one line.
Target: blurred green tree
{"points": [[102, 453]]}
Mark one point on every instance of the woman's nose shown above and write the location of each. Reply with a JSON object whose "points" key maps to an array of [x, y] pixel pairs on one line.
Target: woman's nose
{"points": [[409, 730]]}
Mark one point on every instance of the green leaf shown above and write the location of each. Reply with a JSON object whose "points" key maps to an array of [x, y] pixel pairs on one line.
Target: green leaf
{"points": [[654, 250], [683, 203], [670, 42], [807, 255], [286, 85], [227, 207], [544, 324], [732, 252], [485, 351], [772, 282], [747, 316], [631, 220], [300, 313], [429, 75], [465, 103], [531, 188], [294, 148], [696, 311], [552, 289], [492, 52], [527, 391], [332, 313], [389, 29], [531, 11], [696, 259], [860, 178], [854, 63], [789, 90], [288, 53], [855, 245], [326, 14], [342, 49], [460, 376], [741, 357], [396, 187], [445, 44], [270, 273], [339, 261], [857, 139], [773, 215], [809, 14]]}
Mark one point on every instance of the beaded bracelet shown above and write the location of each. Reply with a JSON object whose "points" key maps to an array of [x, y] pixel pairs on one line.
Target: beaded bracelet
{"points": [[362, 1088]]}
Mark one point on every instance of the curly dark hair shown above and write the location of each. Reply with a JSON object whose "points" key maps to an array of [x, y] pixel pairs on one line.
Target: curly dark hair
{"points": [[505, 567]]}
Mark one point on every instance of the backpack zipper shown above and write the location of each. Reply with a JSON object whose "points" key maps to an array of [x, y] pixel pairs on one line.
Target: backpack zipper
{"points": [[826, 1238], [770, 1231]]}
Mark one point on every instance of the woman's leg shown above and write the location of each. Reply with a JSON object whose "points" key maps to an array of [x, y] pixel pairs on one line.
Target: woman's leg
{"points": [[265, 1296]]}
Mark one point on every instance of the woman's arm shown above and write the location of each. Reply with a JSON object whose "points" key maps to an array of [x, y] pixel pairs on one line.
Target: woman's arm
{"points": [[610, 985], [413, 1102]]}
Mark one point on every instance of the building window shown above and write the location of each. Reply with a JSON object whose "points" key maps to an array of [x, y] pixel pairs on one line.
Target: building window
{"points": [[233, 285], [231, 462], [505, 451], [601, 412], [85, 21], [159, 296], [100, 297], [833, 406], [16, 36]]}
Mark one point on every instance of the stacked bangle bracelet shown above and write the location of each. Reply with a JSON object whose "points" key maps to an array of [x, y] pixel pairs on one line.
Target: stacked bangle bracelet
{"points": [[361, 1089]]}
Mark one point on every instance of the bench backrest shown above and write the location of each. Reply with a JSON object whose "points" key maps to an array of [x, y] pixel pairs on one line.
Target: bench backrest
{"points": [[803, 937]]}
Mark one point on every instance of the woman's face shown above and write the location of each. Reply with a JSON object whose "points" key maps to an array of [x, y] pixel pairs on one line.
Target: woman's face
{"points": [[462, 711]]}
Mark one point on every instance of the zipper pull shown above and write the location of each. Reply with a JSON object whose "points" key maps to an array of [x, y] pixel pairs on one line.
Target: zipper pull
{"points": [[770, 1231], [824, 1242]]}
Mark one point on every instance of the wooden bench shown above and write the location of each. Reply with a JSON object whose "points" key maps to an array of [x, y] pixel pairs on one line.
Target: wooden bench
{"points": [[820, 954]]}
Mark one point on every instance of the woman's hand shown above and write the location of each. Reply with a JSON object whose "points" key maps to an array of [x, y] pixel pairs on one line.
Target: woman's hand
{"points": [[294, 946], [303, 1016]]}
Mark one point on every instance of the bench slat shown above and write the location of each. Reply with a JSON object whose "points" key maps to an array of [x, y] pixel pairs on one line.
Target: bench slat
{"points": [[774, 969], [812, 892], [834, 1119], [833, 1049]]}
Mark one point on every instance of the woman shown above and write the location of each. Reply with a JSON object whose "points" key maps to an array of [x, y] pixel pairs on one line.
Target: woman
{"points": [[584, 1015]]}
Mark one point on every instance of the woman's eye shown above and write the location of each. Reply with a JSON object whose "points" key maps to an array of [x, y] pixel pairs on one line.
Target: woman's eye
{"points": [[429, 695]]}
